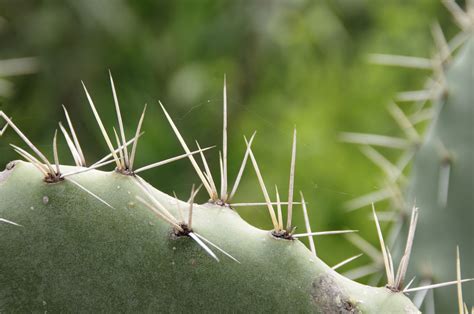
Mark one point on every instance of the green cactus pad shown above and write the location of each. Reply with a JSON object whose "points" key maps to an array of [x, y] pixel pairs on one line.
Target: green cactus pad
{"points": [[445, 224], [71, 252]]}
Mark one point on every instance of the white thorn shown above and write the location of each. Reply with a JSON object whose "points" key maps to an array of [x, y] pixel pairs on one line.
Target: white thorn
{"points": [[169, 160], [224, 193], [76, 140], [262, 186], [120, 121], [217, 247], [10, 222], [55, 151], [308, 226], [137, 135], [377, 140], [28, 142], [320, 233], [401, 61], [72, 147], [291, 184], [90, 193], [203, 245], [438, 285], [101, 126], [384, 251], [443, 184], [186, 149], [242, 167], [346, 261]]}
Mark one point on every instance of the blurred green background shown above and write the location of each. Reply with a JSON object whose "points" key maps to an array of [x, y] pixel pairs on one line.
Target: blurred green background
{"points": [[288, 63]]}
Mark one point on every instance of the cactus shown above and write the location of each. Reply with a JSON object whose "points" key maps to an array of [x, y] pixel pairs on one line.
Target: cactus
{"points": [[77, 238], [440, 183], [73, 251]]}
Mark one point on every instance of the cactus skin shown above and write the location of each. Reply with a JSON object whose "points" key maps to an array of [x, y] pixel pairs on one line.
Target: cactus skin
{"points": [[441, 229], [73, 253]]}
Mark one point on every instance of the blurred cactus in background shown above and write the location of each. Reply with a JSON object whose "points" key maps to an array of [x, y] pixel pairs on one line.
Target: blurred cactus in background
{"points": [[441, 180]]}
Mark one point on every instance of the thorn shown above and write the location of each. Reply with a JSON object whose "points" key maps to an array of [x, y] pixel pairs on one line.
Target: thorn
{"points": [[55, 152], [159, 207], [31, 159], [404, 123], [404, 160], [101, 126], [320, 233], [443, 183], [224, 193], [172, 222], [379, 160], [261, 204], [203, 245], [95, 166], [401, 61], [386, 260], [420, 295], [106, 157], [422, 115], [262, 186], [438, 285], [72, 147], [5, 127], [402, 268], [10, 222], [121, 157], [169, 160], [280, 216], [361, 271], [137, 135], [458, 277], [191, 202], [186, 149], [221, 166], [28, 142], [417, 95], [242, 167], [180, 210], [120, 121], [209, 174], [76, 140], [410, 282], [344, 262], [430, 303], [292, 183], [387, 216], [215, 246], [364, 246], [441, 43], [376, 140], [90, 193], [18, 66], [372, 197], [308, 226], [392, 271], [460, 17]]}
